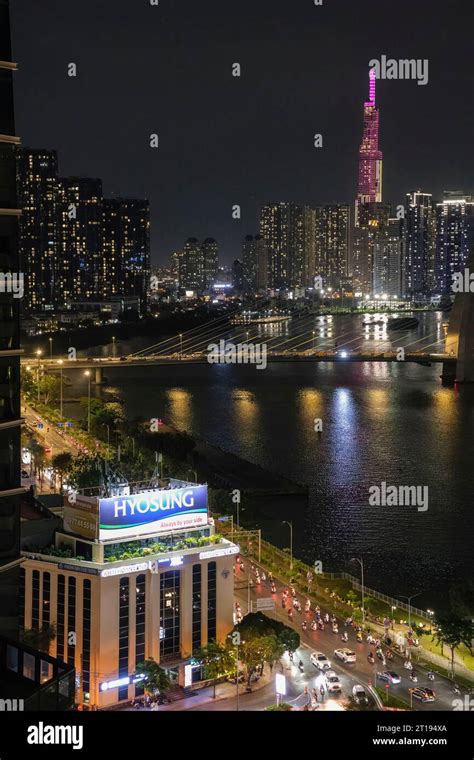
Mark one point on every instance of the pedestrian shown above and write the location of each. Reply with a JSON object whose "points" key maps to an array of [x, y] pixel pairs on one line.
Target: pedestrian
{"points": [[314, 695], [323, 691]]}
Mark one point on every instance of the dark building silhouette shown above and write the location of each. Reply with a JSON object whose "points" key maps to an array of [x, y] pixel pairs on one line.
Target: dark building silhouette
{"points": [[10, 422]]}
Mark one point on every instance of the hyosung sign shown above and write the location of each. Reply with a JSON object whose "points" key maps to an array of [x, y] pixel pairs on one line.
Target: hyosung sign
{"points": [[158, 511]]}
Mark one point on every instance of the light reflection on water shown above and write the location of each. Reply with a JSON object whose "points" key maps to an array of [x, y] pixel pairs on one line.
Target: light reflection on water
{"points": [[381, 422]]}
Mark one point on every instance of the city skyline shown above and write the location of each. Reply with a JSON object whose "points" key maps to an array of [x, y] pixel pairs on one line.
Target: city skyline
{"points": [[324, 97]]}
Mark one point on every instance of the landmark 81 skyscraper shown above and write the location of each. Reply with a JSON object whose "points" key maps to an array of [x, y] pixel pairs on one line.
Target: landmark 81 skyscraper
{"points": [[369, 188]]}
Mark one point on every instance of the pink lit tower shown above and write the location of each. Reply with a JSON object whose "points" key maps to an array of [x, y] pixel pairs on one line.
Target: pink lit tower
{"points": [[369, 188]]}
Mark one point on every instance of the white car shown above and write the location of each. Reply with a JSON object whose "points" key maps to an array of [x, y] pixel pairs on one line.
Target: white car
{"points": [[320, 660], [333, 683], [345, 654], [359, 694], [390, 676]]}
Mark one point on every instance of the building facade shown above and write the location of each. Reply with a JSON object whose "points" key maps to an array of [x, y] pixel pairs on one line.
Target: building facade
{"points": [[40, 226], [420, 231], [10, 412], [454, 238], [369, 188], [112, 613]]}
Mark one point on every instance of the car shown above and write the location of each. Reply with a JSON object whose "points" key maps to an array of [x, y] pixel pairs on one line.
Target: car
{"points": [[390, 676], [424, 695], [345, 654], [359, 694], [320, 660], [333, 683]]}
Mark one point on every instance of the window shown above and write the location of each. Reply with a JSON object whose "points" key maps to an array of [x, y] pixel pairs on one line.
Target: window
{"points": [[124, 598], [35, 600], [86, 637], [169, 613], [196, 602], [60, 621], [46, 606], [21, 598], [28, 666], [71, 619], [211, 601], [140, 625]]}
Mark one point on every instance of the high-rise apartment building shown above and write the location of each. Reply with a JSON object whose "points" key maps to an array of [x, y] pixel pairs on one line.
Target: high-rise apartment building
{"points": [[332, 243], [80, 257], [10, 419], [74, 244], [40, 227], [371, 227], [191, 266], [288, 230], [125, 265], [454, 237], [420, 229], [255, 263], [388, 260], [210, 259]]}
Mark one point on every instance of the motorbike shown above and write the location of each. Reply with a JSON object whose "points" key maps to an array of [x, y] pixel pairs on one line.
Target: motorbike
{"points": [[413, 677], [407, 664], [359, 636], [326, 618], [344, 637], [370, 658], [431, 676], [314, 625], [301, 666], [304, 625], [335, 629]]}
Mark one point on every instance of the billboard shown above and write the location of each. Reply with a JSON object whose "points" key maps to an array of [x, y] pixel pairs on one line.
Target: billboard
{"points": [[157, 511], [80, 517]]}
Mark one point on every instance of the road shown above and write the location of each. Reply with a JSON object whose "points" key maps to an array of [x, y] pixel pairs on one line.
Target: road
{"points": [[326, 641]]}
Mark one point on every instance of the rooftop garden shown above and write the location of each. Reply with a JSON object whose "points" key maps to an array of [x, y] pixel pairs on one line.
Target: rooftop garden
{"points": [[134, 550]]}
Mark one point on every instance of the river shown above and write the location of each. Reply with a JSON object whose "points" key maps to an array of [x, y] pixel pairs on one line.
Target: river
{"points": [[381, 422]]}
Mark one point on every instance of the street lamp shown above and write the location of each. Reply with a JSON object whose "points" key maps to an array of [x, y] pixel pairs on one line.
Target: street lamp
{"points": [[409, 598], [361, 563], [290, 525], [180, 344], [38, 354], [88, 375], [50, 348], [314, 333], [60, 362], [431, 613], [114, 340]]}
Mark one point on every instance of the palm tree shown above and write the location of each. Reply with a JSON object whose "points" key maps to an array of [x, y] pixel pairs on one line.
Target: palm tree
{"points": [[453, 631], [216, 659], [155, 679]]}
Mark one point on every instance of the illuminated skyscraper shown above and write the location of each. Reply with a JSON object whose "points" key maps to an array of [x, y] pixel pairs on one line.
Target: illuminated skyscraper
{"points": [[255, 263], [333, 243], [191, 266], [210, 260], [288, 232], [420, 231], [454, 237], [39, 243], [369, 188], [125, 263]]}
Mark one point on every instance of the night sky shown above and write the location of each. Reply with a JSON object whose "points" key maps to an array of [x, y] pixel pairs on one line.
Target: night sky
{"points": [[224, 140]]}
